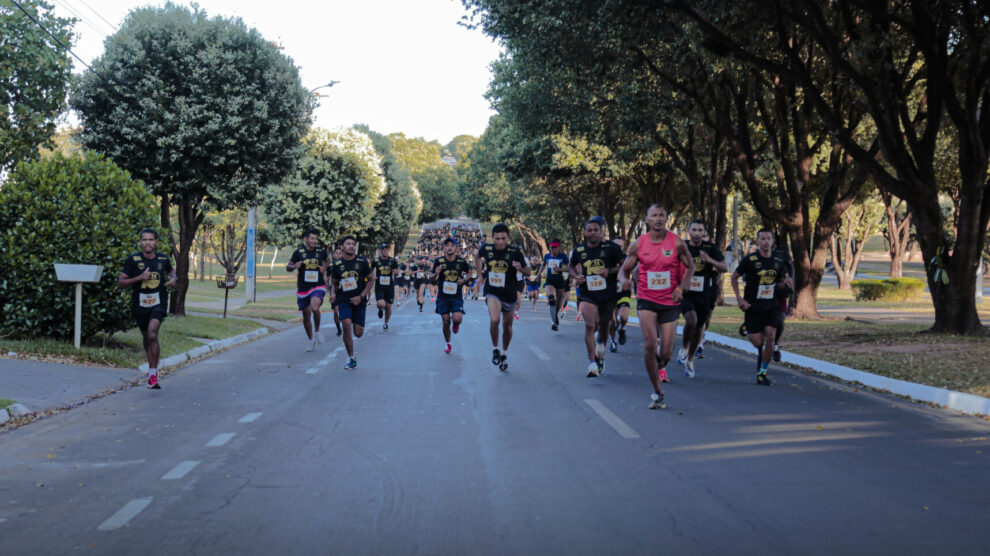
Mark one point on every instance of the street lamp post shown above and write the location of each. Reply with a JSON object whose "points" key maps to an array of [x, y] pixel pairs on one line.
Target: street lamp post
{"points": [[249, 268]]}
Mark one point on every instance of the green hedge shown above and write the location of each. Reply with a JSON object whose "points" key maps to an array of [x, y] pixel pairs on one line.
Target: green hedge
{"points": [[81, 209], [895, 289]]}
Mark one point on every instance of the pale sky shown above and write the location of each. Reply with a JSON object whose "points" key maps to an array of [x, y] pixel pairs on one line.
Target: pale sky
{"points": [[403, 65]]}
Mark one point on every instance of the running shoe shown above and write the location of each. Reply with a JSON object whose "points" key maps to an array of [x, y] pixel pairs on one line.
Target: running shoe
{"points": [[682, 357], [381, 312], [504, 364], [593, 371], [449, 349], [340, 332], [622, 336], [762, 379], [517, 315], [656, 401], [312, 344], [599, 349], [420, 307], [578, 318], [700, 352], [319, 337], [496, 357], [601, 366], [456, 328], [553, 327], [385, 327], [776, 353], [351, 363], [153, 382], [662, 375], [612, 346], [689, 369]]}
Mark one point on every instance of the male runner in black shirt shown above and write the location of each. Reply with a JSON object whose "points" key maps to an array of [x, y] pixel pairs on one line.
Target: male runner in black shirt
{"points": [[450, 272], [386, 270], [498, 264], [696, 304], [595, 267], [310, 261], [144, 273], [353, 279]]}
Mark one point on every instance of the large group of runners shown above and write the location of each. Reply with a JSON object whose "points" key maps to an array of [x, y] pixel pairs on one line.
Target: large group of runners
{"points": [[668, 276]]}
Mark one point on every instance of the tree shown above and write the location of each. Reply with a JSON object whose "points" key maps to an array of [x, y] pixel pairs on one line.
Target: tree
{"points": [[460, 146], [34, 77], [435, 180], [846, 245], [400, 205], [204, 110], [334, 188]]}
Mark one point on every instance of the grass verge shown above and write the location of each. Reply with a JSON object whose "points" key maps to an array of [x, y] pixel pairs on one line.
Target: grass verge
{"points": [[6, 402], [124, 349]]}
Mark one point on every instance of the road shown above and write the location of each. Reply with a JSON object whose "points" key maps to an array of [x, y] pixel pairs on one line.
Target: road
{"points": [[268, 449]]}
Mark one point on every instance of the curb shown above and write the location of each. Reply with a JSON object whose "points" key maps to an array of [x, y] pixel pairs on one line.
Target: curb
{"points": [[215, 345], [949, 399]]}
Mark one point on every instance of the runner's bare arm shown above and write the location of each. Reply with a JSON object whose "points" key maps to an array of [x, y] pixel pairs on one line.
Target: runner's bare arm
{"points": [[627, 267]]}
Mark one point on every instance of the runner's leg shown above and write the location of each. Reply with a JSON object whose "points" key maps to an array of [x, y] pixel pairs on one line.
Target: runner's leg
{"points": [[648, 324]]}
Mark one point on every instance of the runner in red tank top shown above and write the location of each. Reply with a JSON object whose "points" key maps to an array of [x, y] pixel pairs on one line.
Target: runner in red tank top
{"points": [[664, 264]]}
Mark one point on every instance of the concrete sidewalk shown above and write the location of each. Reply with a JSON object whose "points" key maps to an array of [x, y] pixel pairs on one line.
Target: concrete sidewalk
{"points": [[41, 385], [237, 301]]}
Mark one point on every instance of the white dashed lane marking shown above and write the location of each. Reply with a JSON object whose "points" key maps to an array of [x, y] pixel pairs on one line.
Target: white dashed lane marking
{"points": [[249, 417], [125, 514], [539, 353], [324, 361], [180, 471], [220, 439], [624, 430]]}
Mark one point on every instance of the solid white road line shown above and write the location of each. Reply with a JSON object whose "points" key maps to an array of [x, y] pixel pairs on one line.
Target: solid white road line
{"points": [[180, 471], [624, 430], [324, 361], [539, 353], [125, 514], [249, 417], [220, 439]]}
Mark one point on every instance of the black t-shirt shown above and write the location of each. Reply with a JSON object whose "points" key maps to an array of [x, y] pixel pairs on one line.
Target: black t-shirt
{"points": [[150, 293], [417, 271], [386, 271], [450, 273], [703, 282], [500, 274], [591, 260], [310, 275], [761, 275], [534, 276], [351, 277]]}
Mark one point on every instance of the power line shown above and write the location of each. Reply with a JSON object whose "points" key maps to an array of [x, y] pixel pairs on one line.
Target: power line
{"points": [[112, 26], [50, 34], [75, 13]]}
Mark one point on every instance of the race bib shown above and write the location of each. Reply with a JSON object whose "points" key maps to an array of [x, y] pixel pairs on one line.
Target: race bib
{"points": [[765, 292], [348, 284], [496, 279], [697, 283], [553, 265], [311, 276], [519, 276], [148, 300], [658, 280], [566, 275], [420, 275], [384, 280], [596, 283], [450, 288], [474, 274]]}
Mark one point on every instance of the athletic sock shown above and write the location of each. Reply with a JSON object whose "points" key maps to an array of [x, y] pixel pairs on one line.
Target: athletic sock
{"points": [[763, 367], [152, 372]]}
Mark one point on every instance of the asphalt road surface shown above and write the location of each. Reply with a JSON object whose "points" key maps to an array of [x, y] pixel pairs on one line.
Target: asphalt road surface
{"points": [[267, 449]]}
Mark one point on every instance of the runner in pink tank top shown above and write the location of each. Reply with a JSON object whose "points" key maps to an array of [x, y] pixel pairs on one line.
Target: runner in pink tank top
{"points": [[664, 263]]}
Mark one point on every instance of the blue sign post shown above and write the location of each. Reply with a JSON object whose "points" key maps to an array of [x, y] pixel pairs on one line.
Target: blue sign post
{"points": [[249, 269]]}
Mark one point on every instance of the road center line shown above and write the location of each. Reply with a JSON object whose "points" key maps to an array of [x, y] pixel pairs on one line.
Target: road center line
{"points": [[180, 471], [220, 439], [125, 514], [324, 361], [624, 430], [249, 417], [539, 353]]}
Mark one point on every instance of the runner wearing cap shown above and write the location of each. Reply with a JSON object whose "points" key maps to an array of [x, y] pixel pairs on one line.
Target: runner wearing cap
{"points": [[558, 284]]}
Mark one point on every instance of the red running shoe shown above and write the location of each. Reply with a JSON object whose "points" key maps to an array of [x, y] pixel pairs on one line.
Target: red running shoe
{"points": [[153, 382], [449, 349]]}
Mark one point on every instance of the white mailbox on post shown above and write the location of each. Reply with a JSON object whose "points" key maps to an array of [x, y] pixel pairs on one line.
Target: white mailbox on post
{"points": [[78, 273]]}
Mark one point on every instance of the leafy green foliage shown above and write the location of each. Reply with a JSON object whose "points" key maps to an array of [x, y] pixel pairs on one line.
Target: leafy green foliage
{"points": [[34, 78], [399, 208], [436, 181], [82, 210], [893, 289]]}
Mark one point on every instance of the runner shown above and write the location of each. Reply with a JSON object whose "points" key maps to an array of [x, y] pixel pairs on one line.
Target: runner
{"points": [[558, 283], [451, 273], [520, 288], [418, 272], [337, 254], [763, 271], [353, 279], [621, 316], [143, 272], [595, 265], [708, 261], [497, 263], [386, 269], [310, 261], [533, 280], [664, 264]]}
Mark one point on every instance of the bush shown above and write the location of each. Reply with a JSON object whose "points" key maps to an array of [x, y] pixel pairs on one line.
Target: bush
{"points": [[896, 289], [81, 209]]}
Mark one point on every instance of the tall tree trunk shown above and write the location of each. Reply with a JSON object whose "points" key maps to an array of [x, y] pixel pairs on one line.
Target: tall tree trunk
{"points": [[189, 221], [897, 234]]}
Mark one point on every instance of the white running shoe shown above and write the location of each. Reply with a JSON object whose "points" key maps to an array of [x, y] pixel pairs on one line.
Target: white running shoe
{"points": [[656, 402], [689, 369], [312, 345], [319, 337], [593, 371], [682, 357]]}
